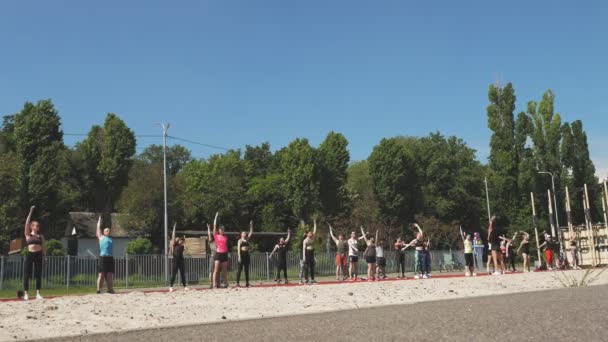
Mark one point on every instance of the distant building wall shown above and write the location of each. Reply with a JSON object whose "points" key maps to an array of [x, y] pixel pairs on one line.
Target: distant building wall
{"points": [[84, 245]]}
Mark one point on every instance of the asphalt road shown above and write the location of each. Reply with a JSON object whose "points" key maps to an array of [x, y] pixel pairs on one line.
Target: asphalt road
{"points": [[555, 315]]}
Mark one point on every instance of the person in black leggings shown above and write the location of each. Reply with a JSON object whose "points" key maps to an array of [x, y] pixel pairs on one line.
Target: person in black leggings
{"points": [[281, 250], [178, 263], [400, 258], [244, 258], [308, 246], [34, 256]]}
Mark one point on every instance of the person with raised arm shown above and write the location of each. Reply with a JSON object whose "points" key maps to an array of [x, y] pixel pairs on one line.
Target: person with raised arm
{"points": [[494, 242], [341, 247], [35, 254], [468, 254], [211, 255], [106, 258], [244, 259], [370, 255], [400, 257], [221, 254], [478, 250], [353, 256], [380, 258], [509, 253], [548, 248], [178, 264], [419, 255], [281, 250], [308, 250], [524, 249], [574, 253]]}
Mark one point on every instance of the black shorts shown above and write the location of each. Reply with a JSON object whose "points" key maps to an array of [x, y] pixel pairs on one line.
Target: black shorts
{"points": [[381, 261], [370, 259], [468, 259], [105, 264], [353, 258], [221, 257], [495, 247]]}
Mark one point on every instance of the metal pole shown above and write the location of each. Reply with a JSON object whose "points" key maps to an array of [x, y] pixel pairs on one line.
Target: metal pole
{"points": [[126, 271], [551, 213], [559, 232], [1, 270], [488, 200], [535, 228], [165, 128], [67, 280], [267, 267]]}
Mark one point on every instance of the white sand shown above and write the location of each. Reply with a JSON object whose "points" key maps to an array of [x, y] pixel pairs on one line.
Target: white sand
{"points": [[81, 315]]}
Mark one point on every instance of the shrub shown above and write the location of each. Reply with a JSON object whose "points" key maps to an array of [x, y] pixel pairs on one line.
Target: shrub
{"points": [[139, 246]]}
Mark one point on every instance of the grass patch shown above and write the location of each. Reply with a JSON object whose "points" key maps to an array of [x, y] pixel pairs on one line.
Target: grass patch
{"points": [[571, 280]]}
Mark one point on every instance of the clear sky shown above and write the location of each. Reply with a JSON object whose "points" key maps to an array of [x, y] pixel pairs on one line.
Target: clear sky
{"points": [[231, 73]]}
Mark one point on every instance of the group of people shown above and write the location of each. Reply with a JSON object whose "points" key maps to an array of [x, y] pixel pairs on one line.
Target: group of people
{"points": [[501, 255], [36, 252]]}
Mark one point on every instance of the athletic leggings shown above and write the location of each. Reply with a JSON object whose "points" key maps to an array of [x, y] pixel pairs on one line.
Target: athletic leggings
{"points": [[309, 264], [33, 260], [511, 261], [421, 266], [400, 263], [427, 262], [178, 265], [281, 266], [245, 261]]}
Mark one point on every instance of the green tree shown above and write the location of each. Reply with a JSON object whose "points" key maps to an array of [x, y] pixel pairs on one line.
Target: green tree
{"points": [[108, 153], [54, 248], [395, 181], [39, 145], [365, 207], [139, 246], [300, 172], [502, 159], [177, 157], [333, 158], [212, 185]]}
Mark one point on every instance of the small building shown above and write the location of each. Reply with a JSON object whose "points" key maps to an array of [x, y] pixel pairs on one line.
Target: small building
{"points": [[80, 237]]}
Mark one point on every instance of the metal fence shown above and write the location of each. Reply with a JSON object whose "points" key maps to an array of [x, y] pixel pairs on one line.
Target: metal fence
{"points": [[149, 270]]}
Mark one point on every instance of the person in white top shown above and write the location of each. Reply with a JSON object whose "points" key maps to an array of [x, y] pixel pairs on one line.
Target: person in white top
{"points": [[353, 256]]}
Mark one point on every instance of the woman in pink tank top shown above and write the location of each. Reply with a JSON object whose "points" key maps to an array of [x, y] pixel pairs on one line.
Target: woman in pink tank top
{"points": [[221, 253]]}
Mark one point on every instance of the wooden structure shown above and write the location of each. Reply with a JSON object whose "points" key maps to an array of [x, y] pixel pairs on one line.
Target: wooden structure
{"points": [[592, 244]]}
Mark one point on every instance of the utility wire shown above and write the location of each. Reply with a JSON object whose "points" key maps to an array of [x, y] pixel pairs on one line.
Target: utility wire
{"points": [[198, 143]]}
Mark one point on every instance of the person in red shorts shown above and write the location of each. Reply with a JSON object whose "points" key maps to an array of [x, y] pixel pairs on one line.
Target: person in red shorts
{"points": [[341, 256], [548, 248]]}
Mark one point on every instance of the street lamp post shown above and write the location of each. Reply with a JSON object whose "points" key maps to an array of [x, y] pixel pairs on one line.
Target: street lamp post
{"points": [[165, 127], [554, 203]]}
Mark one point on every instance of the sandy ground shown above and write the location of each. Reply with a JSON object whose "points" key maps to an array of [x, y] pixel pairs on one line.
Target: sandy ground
{"points": [[82, 315]]}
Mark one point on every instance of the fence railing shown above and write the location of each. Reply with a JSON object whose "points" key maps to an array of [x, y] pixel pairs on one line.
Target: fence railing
{"points": [[149, 270]]}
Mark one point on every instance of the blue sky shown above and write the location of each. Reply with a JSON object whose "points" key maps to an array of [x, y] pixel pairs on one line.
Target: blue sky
{"points": [[231, 73]]}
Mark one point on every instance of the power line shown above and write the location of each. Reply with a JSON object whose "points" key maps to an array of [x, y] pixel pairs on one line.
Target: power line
{"points": [[160, 136], [198, 143]]}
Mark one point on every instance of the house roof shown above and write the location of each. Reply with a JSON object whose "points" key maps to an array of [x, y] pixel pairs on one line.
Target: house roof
{"points": [[85, 224]]}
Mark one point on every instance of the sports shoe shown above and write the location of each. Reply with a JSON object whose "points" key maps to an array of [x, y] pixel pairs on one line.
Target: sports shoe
{"points": [[26, 296], [467, 274], [170, 289], [186, 288], [426, 276], [416, 276], [496, 273], [474, 274], [38, 296]]}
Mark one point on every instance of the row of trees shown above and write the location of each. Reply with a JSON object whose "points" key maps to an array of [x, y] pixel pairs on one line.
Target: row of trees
{"points": [[434, 180], [536, 140]]}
